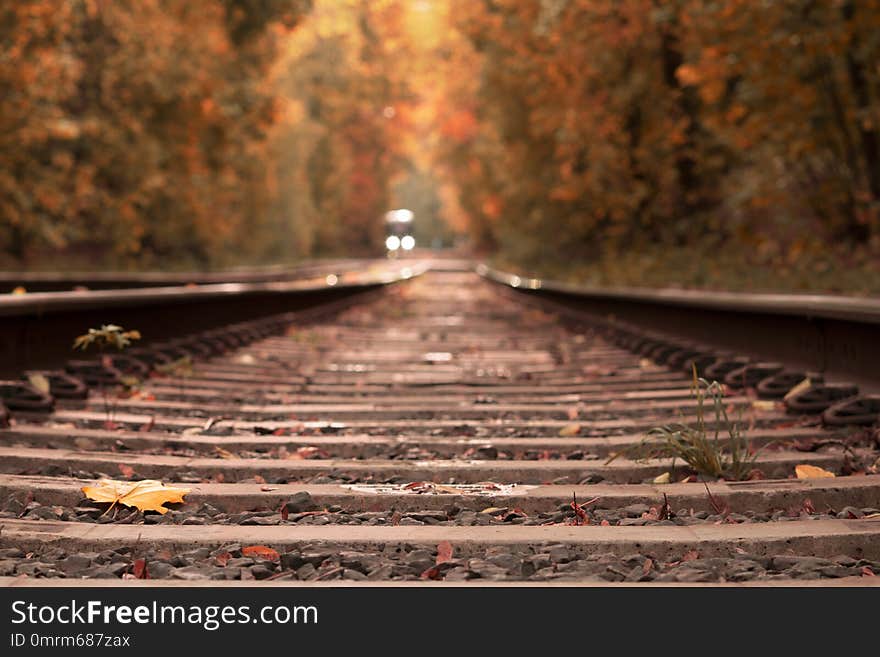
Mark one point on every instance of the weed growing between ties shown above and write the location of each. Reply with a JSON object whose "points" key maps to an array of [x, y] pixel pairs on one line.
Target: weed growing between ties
{"points": [[704, 450], [109, 335]]}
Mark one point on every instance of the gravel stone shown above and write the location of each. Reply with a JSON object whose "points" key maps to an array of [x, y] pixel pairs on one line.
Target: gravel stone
{"points": [[300, 502], [74, 563], [306, 571], [261, 571], [351, 574]]}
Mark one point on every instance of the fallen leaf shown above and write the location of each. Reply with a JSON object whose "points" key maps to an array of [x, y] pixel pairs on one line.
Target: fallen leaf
{"points": [[222, 558], [126, 470], [431, 573], [691, 555], [494, 510], [223, 453], [266, 489], [804, 471], [139, 569], [444, 552], [146, 495], [662, 479], [867, 572], [18, 289], [261, 552], [308, 452], [570, 430], [764, 405]]}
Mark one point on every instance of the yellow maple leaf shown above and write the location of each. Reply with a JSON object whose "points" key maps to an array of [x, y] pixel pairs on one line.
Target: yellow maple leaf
{"points": [[146, 495], [804, 471]]}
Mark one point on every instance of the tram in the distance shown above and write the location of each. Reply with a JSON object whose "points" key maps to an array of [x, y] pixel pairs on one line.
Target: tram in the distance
{"points": [[398, 231]]}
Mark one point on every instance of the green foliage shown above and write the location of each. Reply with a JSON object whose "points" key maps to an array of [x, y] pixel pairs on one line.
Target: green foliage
{"points": [[710, 455]]}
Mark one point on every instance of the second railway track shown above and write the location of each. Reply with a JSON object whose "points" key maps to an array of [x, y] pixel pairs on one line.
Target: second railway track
{"points": [[440, 430]]}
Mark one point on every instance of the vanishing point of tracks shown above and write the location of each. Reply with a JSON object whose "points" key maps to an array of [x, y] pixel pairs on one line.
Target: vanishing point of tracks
{"points": [[438, 429]]}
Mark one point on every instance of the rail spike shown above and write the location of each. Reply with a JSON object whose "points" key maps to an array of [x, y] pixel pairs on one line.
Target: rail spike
{"points": [[863, 411], [62, 385], [819, 396], [21, 396]]}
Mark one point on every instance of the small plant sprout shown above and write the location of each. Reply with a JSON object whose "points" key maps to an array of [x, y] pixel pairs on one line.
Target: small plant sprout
{"points": [[109, 335], [704, 450]]}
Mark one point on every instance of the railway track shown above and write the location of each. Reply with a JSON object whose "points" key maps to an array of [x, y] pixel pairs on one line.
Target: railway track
{"points": [[443, 429]]}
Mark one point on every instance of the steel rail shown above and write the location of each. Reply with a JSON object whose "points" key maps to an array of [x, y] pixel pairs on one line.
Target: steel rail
{"points": [[836, 336], [57, 281], [36, 329]]}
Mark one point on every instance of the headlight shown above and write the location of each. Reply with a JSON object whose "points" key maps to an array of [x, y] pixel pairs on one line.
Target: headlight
{"points": [[392, 243], [408, 242]]}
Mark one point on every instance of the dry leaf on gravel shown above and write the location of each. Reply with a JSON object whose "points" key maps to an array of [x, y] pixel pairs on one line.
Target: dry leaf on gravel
{"points": [[804, 471], [139, 569], [146, 495], [308, 452], [260, 552], [662, 478], [444, 552], [570, 430]]}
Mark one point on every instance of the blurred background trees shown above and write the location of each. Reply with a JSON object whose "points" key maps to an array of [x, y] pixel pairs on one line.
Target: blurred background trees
{"points": [[678, 139], [627, 141]]}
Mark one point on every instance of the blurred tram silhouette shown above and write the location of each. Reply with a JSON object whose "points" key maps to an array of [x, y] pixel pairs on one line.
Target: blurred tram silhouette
{"points": [[398, 232]]}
